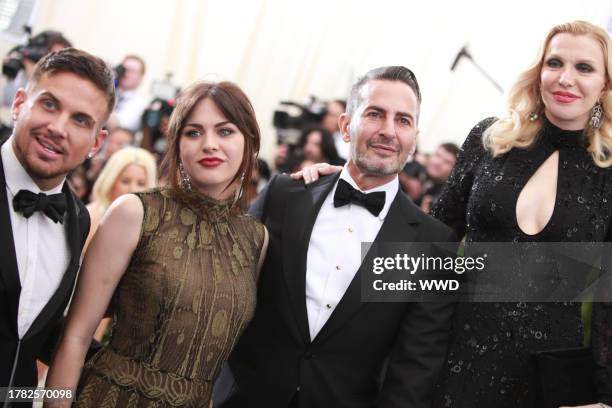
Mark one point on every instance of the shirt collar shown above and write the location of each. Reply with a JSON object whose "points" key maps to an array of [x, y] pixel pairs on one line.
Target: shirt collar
{"points": [[390, 189], [16, 177]]}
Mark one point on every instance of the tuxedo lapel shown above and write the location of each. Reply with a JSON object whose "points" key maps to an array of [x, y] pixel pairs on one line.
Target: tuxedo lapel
{"points": [[401, 225], [301, 212], [9, 272], [64, 290]]}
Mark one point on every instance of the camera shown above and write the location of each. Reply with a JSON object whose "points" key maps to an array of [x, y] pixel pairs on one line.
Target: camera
{"points": [[37, 47], [289, 126], [13, 63], [155, 120]]}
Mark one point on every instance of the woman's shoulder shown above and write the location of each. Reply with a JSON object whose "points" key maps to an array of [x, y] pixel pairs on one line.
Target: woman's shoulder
{"points": [[474, 147], [127, 211], [155, 195], [154, 192], [255, 227], [94, 209], [478, 130], [249, 219]]}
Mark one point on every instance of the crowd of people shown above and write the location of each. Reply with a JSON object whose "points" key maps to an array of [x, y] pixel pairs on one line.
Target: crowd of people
{"points": [[185, 299], [134, 122]]}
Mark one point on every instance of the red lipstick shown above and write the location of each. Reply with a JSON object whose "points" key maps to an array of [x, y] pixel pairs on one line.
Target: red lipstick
{"points": [[210, 161], [564, 97]]}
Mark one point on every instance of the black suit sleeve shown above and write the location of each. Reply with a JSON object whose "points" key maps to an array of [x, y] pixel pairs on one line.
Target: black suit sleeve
{"points": [[418, 354], [46, 352], [48, 348], [258, 208], [84, 224]]}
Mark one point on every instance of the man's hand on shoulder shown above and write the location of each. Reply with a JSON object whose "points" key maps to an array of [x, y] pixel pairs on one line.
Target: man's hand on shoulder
{"points": [[312, 173]]}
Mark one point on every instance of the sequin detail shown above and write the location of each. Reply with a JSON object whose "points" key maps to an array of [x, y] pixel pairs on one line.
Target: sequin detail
{"points": [[488, 363]]}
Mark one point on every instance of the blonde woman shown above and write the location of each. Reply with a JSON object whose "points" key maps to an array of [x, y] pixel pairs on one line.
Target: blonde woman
{"points": [[129, 170], [539, 174]]}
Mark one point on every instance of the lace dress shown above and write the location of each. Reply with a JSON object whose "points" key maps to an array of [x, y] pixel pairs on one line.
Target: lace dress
{"points": [[488, 363], [186, 296]]}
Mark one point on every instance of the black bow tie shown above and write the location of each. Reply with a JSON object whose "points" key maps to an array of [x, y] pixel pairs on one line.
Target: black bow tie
{"points": [[54, 205], [345, 193]]}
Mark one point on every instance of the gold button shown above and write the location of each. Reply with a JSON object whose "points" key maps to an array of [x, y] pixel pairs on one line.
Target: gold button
{"points": [[350, 229], [338, 267]]}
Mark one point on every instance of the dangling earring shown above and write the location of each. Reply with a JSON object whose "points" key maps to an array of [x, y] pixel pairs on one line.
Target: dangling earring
{"points": [[535, 115], [596, 115], [185, 180]]}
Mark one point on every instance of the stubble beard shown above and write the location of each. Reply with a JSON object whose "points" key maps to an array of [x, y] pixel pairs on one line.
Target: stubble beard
{"points": [[36, 172], [372, 166]]}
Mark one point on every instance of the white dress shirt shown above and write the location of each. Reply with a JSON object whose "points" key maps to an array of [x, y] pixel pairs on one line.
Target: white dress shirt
{"points": [[334, 251], [129, 110], [41, 245]]}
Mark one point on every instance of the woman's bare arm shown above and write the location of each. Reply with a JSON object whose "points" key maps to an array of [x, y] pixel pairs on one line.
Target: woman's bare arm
{"points": [[105, 262]]}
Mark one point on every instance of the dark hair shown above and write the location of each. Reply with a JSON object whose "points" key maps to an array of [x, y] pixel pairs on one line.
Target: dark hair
{"points": [[235, 106], [54, 38], [328, 147], [83, 65], [42, 43], [264, 169], [341, 102], [451, 148], [392, 73], [136, 58]]}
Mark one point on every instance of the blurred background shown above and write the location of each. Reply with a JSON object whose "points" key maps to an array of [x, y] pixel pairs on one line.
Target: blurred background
{"points": [[279, 50], [296, 61]]}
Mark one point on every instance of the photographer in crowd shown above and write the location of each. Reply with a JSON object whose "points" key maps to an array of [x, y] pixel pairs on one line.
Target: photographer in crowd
{"points": [[130, 105], [18, 65]]}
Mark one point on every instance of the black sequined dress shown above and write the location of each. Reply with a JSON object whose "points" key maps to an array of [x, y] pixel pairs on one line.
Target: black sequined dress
{"points": [[488, 364]]}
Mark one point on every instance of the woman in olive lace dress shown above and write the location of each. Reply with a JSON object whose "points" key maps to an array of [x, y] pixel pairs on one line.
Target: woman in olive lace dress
{"points": [[180, 263]]}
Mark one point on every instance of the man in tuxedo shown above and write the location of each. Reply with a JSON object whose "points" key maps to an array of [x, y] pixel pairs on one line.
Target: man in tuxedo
{"points": [[313, 343], [59, 122]]}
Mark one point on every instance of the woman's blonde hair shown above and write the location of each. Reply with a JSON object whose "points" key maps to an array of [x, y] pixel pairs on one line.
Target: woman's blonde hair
{"points": [[517, 130], [113, 168]]}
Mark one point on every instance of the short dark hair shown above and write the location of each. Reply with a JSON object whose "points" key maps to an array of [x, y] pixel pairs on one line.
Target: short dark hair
{"points": [[54, 38], [328, 147], [452, 148], [392, 73], [44, 42], [340, 102], [80, 63], [235, 106]]}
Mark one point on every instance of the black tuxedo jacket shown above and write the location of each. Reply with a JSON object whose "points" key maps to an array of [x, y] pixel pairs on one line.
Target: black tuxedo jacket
{"points": [[275, 360], [18, 358]]}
